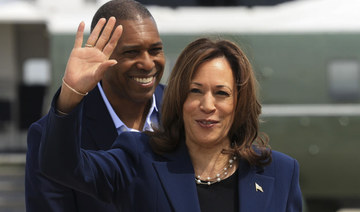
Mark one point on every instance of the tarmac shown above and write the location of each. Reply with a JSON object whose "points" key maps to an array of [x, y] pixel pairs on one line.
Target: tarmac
{"points": [[12, 192], [12, 170]]}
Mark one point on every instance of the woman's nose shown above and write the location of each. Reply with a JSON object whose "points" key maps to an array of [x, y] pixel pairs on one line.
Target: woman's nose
{"points": [[207, 104]]}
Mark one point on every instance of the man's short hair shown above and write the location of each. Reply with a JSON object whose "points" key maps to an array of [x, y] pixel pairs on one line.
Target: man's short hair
{"points": [[121, 10]]}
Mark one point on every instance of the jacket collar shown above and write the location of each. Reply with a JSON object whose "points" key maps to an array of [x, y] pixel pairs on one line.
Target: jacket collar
{"points": [[178, 179], [96, 116], [176, 173], [255, 189]]}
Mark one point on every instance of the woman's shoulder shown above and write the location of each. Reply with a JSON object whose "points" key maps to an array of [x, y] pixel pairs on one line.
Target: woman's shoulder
{"points": [[281, 163], [281, 157]]}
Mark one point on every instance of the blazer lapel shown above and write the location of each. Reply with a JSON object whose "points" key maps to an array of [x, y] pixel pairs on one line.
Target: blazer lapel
{"points": [[177, 179], [97, 117], [97, 121], [159, 90], [255, 190]]}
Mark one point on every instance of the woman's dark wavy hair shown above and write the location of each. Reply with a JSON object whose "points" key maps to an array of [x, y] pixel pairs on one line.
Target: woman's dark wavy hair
{"points": [[244, 135]]}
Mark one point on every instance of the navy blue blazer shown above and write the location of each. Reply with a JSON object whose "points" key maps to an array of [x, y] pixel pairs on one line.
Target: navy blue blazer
{"points": [[98, 133], [134, 178]]}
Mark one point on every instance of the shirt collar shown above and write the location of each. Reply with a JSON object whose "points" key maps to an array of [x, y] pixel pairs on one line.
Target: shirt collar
{"points": [[151, 118]]}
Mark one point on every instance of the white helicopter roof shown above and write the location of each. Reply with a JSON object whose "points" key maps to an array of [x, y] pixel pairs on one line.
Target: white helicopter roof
{"points": [[290, 17]]}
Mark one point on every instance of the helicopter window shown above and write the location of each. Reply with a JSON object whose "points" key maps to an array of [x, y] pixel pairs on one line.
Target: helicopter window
{"points": [[344, 80]]}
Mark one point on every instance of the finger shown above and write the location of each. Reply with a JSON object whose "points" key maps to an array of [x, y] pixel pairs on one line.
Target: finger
{"points": [[105, 35], [96, 32], [110, 46], [79, 35]]}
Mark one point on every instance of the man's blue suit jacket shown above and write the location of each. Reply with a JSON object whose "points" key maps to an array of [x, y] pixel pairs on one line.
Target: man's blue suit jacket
{"points": [[98, 133], [135, 179]]}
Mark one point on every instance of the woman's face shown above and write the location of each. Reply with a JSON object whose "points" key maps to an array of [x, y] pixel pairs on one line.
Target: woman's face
{"points": [[208, 110]]}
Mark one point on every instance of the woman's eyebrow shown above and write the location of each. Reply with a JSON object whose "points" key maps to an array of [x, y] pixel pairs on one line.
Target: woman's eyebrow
{"points": [[224, 86], [196, 83]]}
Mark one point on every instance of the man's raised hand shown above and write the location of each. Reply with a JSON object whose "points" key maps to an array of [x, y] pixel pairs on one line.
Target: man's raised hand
{"points": [[86, 65]]}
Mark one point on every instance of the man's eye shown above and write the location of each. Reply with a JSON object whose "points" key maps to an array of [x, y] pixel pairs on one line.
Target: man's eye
{"points": [[155, 51], [131, 52]]}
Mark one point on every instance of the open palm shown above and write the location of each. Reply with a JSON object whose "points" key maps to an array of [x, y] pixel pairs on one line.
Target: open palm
{"points": [[86, 65]]}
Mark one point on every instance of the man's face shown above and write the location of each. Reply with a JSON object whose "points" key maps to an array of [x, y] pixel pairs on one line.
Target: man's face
{"points": [[141, 62]]}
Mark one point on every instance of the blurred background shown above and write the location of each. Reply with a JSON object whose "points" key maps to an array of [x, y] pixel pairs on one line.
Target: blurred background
{"points": [[306, 55]]}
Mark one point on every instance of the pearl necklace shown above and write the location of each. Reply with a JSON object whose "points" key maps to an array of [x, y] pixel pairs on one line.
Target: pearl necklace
{"points": [[219, 177]]}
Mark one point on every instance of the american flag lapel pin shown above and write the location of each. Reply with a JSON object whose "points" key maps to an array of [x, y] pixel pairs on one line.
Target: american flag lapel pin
{"points": [[258, 188]]}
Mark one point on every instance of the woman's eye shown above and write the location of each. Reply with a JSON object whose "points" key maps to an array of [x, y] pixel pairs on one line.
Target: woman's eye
{"points": [[223, 93], [195, 90]]}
